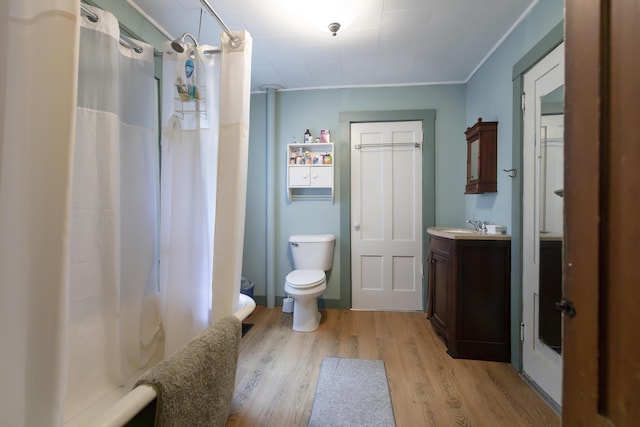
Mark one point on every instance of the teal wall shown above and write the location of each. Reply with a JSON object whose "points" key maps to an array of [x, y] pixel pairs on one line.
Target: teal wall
{"points": [[319, 109], [255, 229], [490, 95], [493, 93]]}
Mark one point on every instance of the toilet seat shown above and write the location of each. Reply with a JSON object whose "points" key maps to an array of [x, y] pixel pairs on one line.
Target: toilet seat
{"points": [[303, 279]]}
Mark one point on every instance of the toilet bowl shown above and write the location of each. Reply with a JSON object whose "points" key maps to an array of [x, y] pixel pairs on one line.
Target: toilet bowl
{"points": [[305, 286], [312, 255]]}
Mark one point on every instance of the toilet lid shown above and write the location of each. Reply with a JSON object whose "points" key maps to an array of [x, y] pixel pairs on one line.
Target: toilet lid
{"points": [[305, 278]]}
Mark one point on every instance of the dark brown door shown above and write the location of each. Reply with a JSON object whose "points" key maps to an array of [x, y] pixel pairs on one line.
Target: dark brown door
{"points": [[602, 196]]}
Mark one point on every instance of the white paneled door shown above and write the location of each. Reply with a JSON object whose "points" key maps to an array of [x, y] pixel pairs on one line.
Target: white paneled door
{"points": [[386, 215], [542, 212]]}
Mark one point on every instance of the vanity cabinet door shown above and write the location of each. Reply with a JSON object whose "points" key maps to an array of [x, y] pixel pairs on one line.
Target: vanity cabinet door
{"points": [[439, 311], [321, 176], [481, 325], [299, 176], [310, 176]]}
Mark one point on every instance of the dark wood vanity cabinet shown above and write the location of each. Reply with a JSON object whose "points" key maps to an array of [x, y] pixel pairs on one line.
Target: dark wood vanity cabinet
{"points": [[482, 158], [469, 296]]}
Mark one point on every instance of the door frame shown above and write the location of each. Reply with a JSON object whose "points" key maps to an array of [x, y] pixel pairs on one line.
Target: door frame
{"points": [[535, 54], [343, 149]]}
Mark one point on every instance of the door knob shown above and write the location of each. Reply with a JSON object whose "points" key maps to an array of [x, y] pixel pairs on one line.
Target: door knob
{"points": [[356, 226], [566, 306]]}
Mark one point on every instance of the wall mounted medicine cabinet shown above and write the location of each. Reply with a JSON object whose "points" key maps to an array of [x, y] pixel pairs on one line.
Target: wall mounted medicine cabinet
{"points": [[482, 157], [310, 171]]}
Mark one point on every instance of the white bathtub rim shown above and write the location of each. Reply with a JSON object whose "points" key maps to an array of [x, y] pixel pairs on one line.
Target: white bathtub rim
{"points": [[137, 399], [246, 305]]}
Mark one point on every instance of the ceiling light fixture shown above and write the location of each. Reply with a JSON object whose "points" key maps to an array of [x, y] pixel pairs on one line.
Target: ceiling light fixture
{"points": [[334, 27], [334, 14]]}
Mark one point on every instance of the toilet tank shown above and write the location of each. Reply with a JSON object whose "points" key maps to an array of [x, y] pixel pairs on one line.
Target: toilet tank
{"points": [[312, 251]]}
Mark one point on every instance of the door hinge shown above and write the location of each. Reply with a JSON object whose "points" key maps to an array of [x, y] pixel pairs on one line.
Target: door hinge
{"points": [[522, 331], [522, 99]]}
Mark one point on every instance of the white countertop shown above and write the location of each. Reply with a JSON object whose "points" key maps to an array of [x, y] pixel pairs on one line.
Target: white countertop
{"points": [[465, 234]]}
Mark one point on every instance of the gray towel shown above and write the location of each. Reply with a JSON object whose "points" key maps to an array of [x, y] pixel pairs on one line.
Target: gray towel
{"points": [[195, 384]]}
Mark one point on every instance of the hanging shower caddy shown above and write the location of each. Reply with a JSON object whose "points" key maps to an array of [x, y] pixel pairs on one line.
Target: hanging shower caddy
{"points": [[190, 90]]}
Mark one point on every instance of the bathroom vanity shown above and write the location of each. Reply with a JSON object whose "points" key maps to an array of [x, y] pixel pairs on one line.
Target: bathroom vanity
{"points": [[469, 292]]}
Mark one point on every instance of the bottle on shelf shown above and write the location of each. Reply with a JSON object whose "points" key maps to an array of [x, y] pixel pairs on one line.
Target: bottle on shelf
{"points": [[307, 137], [325, 135]]}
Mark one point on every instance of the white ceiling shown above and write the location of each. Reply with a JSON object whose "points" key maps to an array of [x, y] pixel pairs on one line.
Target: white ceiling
{"points": [[391, 42]]}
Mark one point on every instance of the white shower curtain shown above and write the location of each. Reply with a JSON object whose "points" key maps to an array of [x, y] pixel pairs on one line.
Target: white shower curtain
{"points": [[113, 260], [38, 41], [78, 311], [233, 151], [190, 98]]}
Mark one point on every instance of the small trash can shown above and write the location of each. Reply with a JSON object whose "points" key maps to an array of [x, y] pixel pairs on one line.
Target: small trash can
{"points": [[246, 286]]}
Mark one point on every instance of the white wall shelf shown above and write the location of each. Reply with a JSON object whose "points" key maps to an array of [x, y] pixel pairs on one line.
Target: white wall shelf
{"points": [[310, 171]]}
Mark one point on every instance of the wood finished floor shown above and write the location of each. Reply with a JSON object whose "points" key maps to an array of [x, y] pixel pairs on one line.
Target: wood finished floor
{"points": [[278, 371]]}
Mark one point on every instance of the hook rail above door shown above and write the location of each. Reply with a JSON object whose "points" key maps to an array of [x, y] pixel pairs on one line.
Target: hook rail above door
{"points": [[389, 144]]}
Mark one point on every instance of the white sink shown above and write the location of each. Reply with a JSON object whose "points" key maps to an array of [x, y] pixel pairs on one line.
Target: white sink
{"points": [[456, 230], [464, 233]]}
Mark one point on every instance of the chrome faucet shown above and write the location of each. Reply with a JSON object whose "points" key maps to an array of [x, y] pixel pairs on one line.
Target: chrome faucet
{"points": [[479, 226]]}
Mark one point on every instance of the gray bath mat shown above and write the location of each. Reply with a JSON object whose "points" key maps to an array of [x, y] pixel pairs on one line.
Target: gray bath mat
{"points": [[352, 392]]}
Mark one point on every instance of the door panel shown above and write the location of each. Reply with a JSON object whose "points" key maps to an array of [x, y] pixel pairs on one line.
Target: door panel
{"points": [[404, 273], [371, 271], [371, 202], [386, 215], [404, 183]]}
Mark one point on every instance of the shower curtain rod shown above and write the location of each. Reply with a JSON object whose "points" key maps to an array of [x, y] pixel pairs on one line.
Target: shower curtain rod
{"points": [[235, 41], [213, 51], [127, 42], [124, 40]]}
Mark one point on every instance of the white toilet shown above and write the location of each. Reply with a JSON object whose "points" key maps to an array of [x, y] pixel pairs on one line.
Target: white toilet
{"points": [[312, 256]]}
